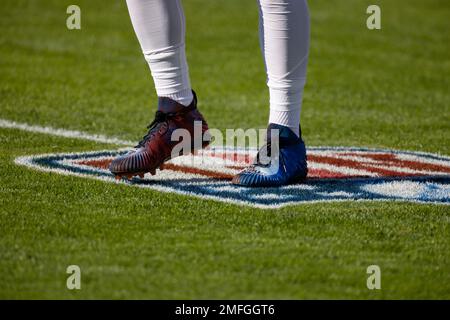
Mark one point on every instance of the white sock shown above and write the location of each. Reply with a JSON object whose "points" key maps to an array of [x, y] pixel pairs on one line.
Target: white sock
{"points": [[284, 38], [285, 109], [160, 29]]}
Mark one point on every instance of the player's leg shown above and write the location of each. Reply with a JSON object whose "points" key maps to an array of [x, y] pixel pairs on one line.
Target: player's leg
{"points": [[160, 29], [284, 37], [284, 29]]}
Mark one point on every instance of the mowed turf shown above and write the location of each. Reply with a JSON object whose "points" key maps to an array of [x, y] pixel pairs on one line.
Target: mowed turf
{"points": [[385, 88]]}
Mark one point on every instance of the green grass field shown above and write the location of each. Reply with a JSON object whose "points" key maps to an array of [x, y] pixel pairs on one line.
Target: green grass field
{"points": [[387, 88]]}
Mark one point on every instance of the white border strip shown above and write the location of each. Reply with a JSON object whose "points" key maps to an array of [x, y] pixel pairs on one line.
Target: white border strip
{"points": [[73, 134]]}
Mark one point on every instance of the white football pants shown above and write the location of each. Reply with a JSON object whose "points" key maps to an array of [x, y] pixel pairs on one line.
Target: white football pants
{"points": [[284, 38]]}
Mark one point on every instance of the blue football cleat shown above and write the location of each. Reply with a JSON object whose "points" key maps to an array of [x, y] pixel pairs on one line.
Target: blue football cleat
{"points": [[276, 164]]}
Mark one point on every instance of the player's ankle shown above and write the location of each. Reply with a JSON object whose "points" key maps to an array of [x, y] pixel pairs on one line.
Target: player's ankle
{"points": [[284, 131], [172, 102]]}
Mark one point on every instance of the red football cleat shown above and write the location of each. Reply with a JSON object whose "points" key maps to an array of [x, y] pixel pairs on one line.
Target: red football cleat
{"points": [[157, 146]]}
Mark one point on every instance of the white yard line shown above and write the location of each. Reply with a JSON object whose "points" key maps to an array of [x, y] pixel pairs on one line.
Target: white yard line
{"points": [[63, 133]]}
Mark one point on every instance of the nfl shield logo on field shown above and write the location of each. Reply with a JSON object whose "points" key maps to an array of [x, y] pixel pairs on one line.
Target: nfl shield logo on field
{"points": [[335, 174]]}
